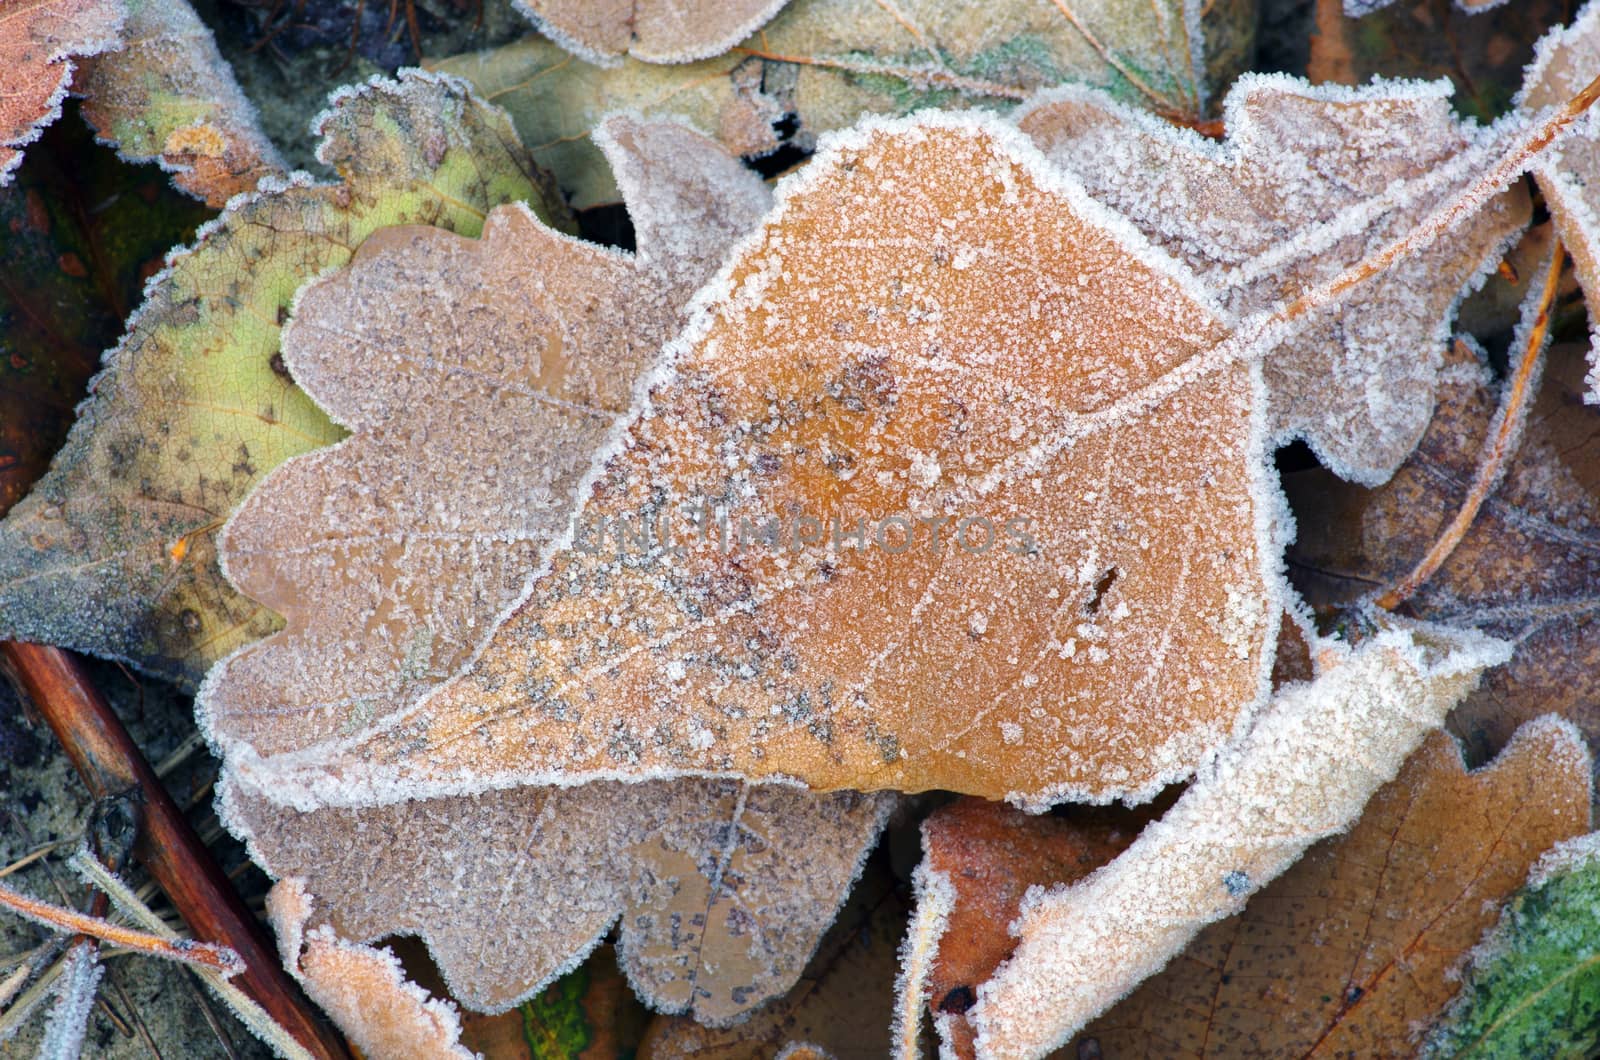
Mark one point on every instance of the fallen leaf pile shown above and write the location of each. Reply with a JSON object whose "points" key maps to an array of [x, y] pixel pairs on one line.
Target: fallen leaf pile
{"points": [[1063, 425], [529, 398]]}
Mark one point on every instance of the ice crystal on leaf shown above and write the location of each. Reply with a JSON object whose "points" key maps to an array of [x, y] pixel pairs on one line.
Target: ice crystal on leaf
{"points": [[656, 31], [1065, 580], [477, 378], [112, 552], [1531, 984], [1308, 181]]}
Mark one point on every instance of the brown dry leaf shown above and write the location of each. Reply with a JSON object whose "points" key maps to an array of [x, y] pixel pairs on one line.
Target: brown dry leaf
{"points": [[362, 989], [1308, 180], [840, 1004], [931, 325], [991, 855], [1566, 60], [1352, 951], [167, 94], [655, 31], [720, 890], [477, 377], [1526, 569], [38, 39]]}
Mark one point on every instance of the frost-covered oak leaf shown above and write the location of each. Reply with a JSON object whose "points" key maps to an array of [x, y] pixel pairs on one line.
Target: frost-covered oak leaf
{"points": [[1301, 774], [1526, 568], [38, 40], [112, 553], [1309, 180], [1061, 581], [1354, 950], [1565, 61], [478, 377], [167, 94], [654, 31], [827, 63]]}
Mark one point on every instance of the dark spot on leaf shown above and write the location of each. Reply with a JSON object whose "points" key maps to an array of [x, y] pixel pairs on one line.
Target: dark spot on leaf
{"points": [[958, 1000], [1101, 587], [278, 366]]}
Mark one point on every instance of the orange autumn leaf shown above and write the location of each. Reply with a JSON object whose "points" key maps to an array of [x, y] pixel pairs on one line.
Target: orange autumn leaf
{"points": [[934, 331], [477, 376]]}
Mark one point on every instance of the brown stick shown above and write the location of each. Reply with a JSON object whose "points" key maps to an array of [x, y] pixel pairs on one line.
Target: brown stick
{"points": [[1498, 448], [110, 763]]}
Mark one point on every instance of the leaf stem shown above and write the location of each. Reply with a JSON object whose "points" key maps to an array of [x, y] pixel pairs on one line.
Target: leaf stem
{"points": [[1505, 432]]}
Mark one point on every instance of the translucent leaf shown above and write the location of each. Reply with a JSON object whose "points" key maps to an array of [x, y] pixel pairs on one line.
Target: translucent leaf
{"points": [[478, 378], [37, 42], [829, 62], [931, 326], [112, 552], [654, 31], [1308, 180], [1533, 986], [167, 94]]}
